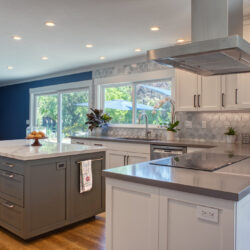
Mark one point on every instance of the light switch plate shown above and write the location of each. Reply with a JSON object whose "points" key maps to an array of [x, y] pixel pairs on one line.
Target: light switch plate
{"points": [[208, 214], [188, 124]]}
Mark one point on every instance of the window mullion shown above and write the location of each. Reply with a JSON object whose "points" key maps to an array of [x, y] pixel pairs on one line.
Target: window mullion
{"points": [[59, 118], [133, 103]]}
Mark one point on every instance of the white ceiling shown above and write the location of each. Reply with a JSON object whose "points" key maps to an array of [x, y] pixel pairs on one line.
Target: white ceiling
{"points": [[115, 27]]}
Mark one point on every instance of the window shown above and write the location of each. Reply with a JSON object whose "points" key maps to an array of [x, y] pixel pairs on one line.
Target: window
{"points": [[125, 102], [61, 109]]}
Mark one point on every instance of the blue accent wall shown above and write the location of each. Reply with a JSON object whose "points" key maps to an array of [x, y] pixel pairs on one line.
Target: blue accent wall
{"points": [[14, 104]]}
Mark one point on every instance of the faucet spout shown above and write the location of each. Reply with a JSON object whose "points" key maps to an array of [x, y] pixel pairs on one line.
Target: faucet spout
{"points": [[147, 132]]}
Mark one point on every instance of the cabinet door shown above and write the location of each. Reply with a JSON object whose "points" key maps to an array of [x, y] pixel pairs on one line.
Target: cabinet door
{"points": [[242, 95], [186, 91], [209, 93], [90, 203], [229, 88], [133, 158], [116, 159]]}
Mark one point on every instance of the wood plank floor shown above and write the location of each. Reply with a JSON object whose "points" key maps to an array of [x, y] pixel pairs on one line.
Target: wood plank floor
{"points": [[89, 235]]}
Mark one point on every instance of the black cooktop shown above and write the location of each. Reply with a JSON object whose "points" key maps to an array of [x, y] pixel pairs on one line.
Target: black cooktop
{"points": [[200, 161]]}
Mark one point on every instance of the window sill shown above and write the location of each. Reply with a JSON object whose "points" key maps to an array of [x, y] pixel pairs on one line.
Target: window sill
{"points": [[136, 126]]}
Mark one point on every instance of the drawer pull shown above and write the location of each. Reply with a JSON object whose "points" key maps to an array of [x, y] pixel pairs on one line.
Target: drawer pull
{"points": [[9, 165], [97, 144], [7, 204], [8, 175], [82, 143]]}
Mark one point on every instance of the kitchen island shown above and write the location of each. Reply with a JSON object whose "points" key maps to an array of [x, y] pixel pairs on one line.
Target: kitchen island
{"points": [[40, 186], [158, 207]]}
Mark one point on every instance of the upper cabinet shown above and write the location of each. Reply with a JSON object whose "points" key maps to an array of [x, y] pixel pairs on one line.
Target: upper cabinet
{"points": [[212, 93], [196, 93]]}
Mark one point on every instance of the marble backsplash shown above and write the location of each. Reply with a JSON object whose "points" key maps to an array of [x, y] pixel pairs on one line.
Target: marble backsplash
{"points": [[216, 125]]}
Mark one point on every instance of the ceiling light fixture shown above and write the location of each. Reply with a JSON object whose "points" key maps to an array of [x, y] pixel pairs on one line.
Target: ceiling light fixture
{"points": [[17, 38], [50, 24], [44, 58], [89, 45], [180, 41], [138, 50], [155, 28], [102, 57], [10, 67]]}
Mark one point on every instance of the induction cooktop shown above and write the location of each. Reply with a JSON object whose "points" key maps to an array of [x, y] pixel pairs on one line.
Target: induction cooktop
{"points": [[200, 161]]}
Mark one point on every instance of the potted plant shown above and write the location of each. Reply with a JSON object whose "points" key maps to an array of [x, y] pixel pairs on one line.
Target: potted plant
{"points": [[172, 129], [97, 120], [230, 135]]}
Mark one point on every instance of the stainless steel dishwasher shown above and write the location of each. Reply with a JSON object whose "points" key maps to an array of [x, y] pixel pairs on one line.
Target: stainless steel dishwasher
{"points": [[163, 151]]}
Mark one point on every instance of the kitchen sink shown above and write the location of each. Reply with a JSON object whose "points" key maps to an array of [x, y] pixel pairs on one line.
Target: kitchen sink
{"points": [[139, 139]]}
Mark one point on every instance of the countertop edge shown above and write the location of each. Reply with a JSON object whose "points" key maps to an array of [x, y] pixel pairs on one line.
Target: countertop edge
{"points": [[180, 187]]}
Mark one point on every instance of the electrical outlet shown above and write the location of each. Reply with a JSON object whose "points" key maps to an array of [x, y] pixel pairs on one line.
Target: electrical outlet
{"points": [[188, 124], [204, 124], [208, 214]]}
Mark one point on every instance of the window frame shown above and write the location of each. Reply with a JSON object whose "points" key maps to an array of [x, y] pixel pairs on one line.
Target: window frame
{"points": [[58, 89], [134, 84]]}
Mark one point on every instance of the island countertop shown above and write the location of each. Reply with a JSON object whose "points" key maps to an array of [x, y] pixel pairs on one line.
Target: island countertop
{"points": [[22, 150], [229, 183]]}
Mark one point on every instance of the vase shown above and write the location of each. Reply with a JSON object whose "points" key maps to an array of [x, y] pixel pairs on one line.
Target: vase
{"points": [[230, 139], [170, 135], [96, 132]]}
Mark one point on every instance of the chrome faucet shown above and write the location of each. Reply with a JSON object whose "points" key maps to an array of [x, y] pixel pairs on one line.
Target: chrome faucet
{"points": [[147, 132]]}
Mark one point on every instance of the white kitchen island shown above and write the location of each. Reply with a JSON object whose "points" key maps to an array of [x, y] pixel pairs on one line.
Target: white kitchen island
{"points": [[152, 207]]}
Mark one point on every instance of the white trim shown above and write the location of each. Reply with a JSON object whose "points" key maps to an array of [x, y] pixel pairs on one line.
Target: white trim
{"points": [[145, 76]]}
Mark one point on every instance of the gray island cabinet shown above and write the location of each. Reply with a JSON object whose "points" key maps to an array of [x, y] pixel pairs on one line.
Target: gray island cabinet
{"points": [[43, 194]]}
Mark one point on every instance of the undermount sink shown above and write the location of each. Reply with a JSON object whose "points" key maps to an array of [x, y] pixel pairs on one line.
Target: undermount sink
{"points": [[139, 139]]}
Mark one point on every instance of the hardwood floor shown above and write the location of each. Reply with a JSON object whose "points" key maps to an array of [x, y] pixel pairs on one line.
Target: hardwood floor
{"points": [[89, 235]]}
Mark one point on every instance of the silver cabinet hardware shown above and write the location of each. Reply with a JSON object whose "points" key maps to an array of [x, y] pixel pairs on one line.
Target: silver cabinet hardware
{"points": [[236, 96], [222, 100], [98, 144], [194, 101], [7, 204], [8, 175], [124, 160], [82, 143], [60, 165], [9, 165], [127, 159], [97, 159], [199, 101]]}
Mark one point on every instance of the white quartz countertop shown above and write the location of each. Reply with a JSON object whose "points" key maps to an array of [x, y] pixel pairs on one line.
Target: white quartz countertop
{"points": [[22, 150]]}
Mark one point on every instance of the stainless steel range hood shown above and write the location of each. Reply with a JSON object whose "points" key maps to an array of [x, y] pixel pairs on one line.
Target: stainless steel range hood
{"points": [[217, 45]]}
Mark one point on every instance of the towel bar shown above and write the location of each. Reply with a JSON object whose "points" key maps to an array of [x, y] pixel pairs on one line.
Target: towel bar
{"points": [[98, 159]]}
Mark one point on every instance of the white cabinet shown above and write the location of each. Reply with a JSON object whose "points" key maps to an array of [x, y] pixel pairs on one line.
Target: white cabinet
{"points": [[197, 93], [186, 91], [133, 158], [209, 93], [243, 91]]}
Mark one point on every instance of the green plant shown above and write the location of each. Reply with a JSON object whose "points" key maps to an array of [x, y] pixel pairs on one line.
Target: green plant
{"points": [[97, 119], [230, 131], [172, 126]]}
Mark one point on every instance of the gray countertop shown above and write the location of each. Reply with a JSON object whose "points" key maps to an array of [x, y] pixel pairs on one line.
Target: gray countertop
{"points": [[229, 183]]}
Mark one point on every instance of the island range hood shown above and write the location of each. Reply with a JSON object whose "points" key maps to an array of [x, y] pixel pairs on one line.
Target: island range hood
{"points": [[217, 45]]}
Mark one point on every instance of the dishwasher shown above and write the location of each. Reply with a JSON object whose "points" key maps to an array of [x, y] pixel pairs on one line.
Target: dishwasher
{"points": [[163, 151]]}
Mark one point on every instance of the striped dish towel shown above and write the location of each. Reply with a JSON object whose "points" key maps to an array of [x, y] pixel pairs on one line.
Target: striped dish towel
{"points": [[86, 179]]}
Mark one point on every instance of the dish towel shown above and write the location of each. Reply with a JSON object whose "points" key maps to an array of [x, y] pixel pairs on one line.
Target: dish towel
{"points": [[86, 180]]}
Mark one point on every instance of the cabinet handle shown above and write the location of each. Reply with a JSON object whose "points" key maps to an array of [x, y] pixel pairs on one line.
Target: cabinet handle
{"points": [[222, 100], [82, 143], [199, 101], [124, 160], [194, 101], [97, 159], [8, 175], [9, 165], [97, 144], [127, 159], [7, 204], [236, 96]]}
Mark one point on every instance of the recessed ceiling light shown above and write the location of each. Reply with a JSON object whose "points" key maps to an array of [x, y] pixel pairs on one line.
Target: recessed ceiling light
{"points": [[180, 41], [10, 67], [102, 57], [155, 28], [50, 24], [17, 38], [138, 50], [89, 45], [44, 58]]}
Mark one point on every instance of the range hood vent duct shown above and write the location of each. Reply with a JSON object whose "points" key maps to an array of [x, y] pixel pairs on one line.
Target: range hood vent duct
{"points": [[217, 45]]}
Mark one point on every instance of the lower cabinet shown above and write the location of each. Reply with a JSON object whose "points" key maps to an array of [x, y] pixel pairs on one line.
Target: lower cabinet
{"points": [[150, 218]]}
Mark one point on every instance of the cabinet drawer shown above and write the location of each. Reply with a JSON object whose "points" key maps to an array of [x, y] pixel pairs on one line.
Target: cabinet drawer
{"points": [[11, 215], [11, 165], [11, 187]]}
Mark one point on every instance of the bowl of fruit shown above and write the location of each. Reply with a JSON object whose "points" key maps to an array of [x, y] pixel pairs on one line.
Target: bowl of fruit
{"points": [[36, 136]]}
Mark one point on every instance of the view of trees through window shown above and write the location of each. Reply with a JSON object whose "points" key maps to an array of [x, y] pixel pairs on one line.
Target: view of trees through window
{"points": [[73, 108], [123, 102]]}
